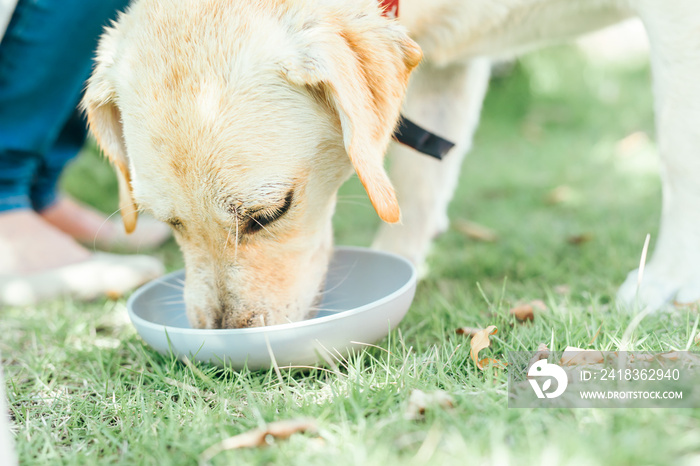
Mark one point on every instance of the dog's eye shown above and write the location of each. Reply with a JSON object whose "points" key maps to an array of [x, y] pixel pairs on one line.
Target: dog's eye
{"points": [[176, 223], [261, 218]]}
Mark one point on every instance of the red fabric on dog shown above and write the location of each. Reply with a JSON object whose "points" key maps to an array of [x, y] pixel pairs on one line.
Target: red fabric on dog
{"points": [[390, 7]]}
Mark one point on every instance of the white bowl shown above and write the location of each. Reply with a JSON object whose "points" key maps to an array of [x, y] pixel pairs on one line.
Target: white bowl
{"points": [[367, 293]]}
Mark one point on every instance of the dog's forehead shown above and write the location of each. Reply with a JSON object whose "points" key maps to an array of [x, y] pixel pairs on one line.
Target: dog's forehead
{"points": [[228, 44], [218, 184]]}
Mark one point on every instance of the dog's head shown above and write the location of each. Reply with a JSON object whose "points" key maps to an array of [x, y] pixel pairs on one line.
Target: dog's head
{"points": [[236, 122]]}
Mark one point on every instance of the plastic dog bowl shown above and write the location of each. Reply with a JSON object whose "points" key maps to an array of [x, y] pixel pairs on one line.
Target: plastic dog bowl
{"points": [[367, 293]]}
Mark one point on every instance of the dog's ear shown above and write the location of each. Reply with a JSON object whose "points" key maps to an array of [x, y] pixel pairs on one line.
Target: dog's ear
{"points": [[361, 66], [104, 121]]}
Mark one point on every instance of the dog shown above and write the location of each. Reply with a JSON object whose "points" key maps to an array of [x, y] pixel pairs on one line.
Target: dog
{"points": [[236, 122]]}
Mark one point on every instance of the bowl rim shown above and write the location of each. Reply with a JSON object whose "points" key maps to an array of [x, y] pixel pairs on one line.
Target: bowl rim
{"points": [[135, 318]]}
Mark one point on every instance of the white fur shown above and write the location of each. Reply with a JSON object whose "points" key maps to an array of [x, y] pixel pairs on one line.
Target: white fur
{"points": [[461, 33], [211, 108]]}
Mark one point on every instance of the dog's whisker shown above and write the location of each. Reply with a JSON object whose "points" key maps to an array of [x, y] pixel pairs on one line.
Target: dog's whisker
{"points": [[163, 298], [168, 301], [340, 282], [324, 309], [235, 247], [228, 237], [355, 196], [351, 202], [97, 233], [262, 226], [172, 303], [174, 286]]}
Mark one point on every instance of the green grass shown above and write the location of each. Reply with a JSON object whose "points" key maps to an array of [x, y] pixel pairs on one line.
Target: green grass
{"points": [[84, 389]]}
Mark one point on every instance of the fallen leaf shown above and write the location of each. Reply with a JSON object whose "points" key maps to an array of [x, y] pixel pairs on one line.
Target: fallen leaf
{"points": [[475, 231], [684, 356], [493, 362], [261, 437], [596, 335], [531, 131], [113, 295], [689, 305], [632, 144], [671, 356], [681, 356], [526, 311], [538, 304], [419, 401], [470, 331], [481, 340], [559, 195], [523, 312], [542, 353], [575, 356], [579, 239]]}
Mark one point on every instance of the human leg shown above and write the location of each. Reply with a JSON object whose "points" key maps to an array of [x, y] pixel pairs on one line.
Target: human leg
{"points": [[45, 56]]}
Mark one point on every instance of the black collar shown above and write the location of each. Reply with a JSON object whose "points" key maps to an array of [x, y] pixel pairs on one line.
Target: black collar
{"points": [[422, 140]]}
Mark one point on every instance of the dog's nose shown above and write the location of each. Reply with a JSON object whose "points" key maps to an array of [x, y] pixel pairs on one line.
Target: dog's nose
{"points": [[244, 319]]}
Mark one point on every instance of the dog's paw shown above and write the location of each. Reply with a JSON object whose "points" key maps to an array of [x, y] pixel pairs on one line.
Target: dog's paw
{"points": [[657, 290]]}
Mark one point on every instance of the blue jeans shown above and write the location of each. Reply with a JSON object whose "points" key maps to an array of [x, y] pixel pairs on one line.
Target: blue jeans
{"points": [[45, 58]]}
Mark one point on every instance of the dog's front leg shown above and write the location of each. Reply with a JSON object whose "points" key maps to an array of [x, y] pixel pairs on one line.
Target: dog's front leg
{"points": [[447, 101], [673, 273]]}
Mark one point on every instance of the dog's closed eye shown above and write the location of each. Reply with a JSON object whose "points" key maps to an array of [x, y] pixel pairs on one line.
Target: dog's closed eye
{"points": [[260, 218], [176, 223]]}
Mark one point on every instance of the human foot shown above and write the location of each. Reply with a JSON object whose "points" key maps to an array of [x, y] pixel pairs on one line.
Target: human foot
{"points": [[28, 244], [94, 229], [102, 274], [39, 262]]}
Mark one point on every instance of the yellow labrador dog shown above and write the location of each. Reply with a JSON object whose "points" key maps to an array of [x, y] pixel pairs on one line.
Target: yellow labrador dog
{"points": [[236, 122]]}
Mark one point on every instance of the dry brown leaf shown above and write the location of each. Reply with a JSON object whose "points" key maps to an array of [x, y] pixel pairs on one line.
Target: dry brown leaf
{"points": [[526, 311], [538, 304], [481, 340], [261, 437], [671, 356], [632, 144], [419, 401], [475, 231], [579, 239], [689, 305], [523, 312], [531, 130], [596, 335], [493, 362], [578, 356], [470, 331], [559, 195], [542, 353], [113, 295], [681, 356]]}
